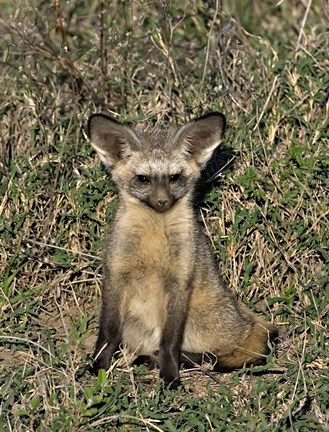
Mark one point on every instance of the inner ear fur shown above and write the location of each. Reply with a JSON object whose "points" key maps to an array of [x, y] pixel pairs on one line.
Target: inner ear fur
{"points": [[200, 137], [110, 138]]}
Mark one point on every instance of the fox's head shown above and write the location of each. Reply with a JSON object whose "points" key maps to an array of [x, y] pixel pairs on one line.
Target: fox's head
{"points": [[158, 167]]}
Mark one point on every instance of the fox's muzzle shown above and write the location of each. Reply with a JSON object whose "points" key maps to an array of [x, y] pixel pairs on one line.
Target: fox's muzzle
{"points": [[160, 197]]}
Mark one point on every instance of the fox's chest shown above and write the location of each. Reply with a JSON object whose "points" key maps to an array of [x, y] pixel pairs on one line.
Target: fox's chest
{"points": [[149, 257], [150, 246], [145, 261]]}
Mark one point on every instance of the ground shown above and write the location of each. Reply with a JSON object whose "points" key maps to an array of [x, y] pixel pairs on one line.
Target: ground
{"points": [[265, 66]]}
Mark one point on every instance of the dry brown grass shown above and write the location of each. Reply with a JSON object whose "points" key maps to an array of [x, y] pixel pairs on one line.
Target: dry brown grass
{"points": [[266, 67]]}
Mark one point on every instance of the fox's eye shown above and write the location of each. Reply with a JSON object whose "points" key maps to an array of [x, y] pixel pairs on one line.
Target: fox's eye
{"points": [[174, 177], [143, 179]]}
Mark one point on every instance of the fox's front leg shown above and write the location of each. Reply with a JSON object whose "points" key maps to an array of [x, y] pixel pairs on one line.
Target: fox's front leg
{"points": [[110, 329], [172, 335]]}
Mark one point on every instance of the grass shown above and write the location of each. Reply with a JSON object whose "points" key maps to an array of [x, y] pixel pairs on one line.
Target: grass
{"points": [[265, 65]]}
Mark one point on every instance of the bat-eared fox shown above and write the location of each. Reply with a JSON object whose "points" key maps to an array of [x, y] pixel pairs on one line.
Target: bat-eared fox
{"points": [[162, 292]]}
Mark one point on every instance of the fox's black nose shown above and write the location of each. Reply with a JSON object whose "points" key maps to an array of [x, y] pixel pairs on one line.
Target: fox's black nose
{"points": [[163, 202]]}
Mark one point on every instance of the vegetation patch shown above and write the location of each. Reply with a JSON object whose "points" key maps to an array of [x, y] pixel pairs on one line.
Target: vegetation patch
{"points": [[263, 200]]}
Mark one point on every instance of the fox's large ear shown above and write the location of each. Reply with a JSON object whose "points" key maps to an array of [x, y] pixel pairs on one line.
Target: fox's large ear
{"points": [[200, 137], [112, 140]]}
